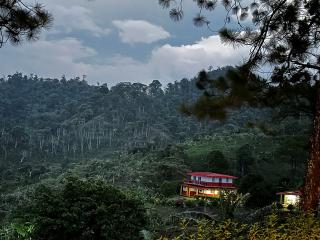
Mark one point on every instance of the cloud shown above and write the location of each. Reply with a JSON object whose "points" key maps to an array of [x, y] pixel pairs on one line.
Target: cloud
{"points": [[169, 61], [47, 58], [75, 18], [53, 58], [139, 31]]}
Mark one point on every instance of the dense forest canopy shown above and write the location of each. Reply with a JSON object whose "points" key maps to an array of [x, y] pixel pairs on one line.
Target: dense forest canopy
{"points": [[67, 117]]}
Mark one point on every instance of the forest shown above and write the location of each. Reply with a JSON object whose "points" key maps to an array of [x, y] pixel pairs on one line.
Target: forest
{"points": [[135, 138], [172, 132]]}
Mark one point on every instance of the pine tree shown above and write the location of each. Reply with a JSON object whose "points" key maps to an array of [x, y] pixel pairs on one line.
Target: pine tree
{"points": [[284, 36], [21, 21]]}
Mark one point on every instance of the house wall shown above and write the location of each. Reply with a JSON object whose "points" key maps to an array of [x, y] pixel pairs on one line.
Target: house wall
{"points": [[194, 191], [206, 179], [210, 179]]}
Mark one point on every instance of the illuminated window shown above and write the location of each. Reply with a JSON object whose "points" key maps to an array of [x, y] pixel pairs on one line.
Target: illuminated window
{"points": [[207, 191], [291, 199]]}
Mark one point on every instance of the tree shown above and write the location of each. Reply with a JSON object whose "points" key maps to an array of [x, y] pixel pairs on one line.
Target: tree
{"points": [[170, 188], [261, 192], [22, 21], [292, 152], [155, 88], [284, 36], [217, 162], [82, 209], [244, 160], [230, 202]]}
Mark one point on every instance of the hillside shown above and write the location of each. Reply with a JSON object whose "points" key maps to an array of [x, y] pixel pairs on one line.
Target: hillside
{"points": [[63, 121], [133, 136]]}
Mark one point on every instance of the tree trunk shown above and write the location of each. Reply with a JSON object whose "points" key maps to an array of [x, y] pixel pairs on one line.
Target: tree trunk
{"points": [[311, 191]]}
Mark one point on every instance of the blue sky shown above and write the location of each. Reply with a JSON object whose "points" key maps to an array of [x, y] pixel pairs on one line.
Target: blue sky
{"points": [[114, 41]]}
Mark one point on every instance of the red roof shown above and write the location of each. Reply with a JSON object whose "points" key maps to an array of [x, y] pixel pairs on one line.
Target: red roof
{"points": [[210, 174]]}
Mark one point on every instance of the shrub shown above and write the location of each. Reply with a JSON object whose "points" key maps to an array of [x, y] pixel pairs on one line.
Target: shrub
{"points": [[168, 189], [190, 203], [179, 203], [171, 202], [156, 200], [201, 202], [261, 192], [294, 228], [17, 231], [278, 205], [82, 209], [213, 202], [291, 207]]}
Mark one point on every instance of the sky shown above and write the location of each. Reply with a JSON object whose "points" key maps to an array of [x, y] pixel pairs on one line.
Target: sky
{"points": [[112, 41]]}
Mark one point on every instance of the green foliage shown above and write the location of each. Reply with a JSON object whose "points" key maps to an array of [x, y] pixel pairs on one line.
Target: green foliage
{"points": [[179, 203], [82, 209], [261, 192], [170, 188], [244, 159], [229, 202], [190, 203], [280, 35], [22, 21], [292, 228], [293, 152], [17, 231], [62, 122], [201, 202], [291, 207], [217, 162], [284, 38], [214, 202]]}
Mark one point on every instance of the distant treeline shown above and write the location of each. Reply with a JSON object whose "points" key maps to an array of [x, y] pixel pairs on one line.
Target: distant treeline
{"points": [[60, 118]]}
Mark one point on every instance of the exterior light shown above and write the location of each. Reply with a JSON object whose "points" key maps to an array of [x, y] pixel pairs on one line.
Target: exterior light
{"points": [[291, 199]]}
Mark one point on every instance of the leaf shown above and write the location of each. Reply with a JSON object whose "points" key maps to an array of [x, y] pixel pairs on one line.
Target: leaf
{"points": [[200, 20], [226, 3], [176, 14], [211, 5], [165, 3], [201, 3]]}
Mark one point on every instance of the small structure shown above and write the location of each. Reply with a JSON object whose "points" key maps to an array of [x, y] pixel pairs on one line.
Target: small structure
{"points": [[206, 184], [289, 198]]}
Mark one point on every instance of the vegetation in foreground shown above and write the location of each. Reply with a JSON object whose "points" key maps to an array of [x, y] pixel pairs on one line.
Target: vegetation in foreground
{"points": [[77, 209], [298, 227]]}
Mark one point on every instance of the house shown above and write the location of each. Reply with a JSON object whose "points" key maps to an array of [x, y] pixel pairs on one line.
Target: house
{"points": [[289, 198], [206, 184]]}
